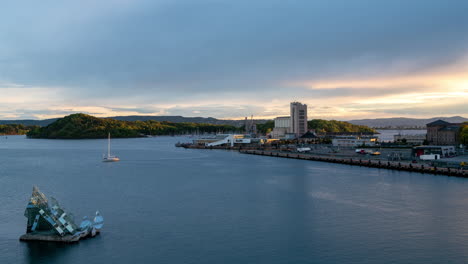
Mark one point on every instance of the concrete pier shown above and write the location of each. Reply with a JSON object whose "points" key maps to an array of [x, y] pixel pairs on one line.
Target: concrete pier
{"points": [[402, 166]]}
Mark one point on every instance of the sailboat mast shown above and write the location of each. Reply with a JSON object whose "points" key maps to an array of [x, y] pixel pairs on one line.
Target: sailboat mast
{"points": [[108, 145]]}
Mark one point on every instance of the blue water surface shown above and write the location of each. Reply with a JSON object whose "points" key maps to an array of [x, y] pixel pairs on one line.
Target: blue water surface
{"points": [[163, 204]]}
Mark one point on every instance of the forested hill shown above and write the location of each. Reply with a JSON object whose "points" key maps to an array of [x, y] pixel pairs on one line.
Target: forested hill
{"points": [[323, 126], [333, 126], [183, 119], [79, 126], [15, 129], [172, 119]]}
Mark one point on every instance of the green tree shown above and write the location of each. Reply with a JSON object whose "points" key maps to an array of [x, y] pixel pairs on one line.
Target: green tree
{"points": [[333, 126], [464, 134], [78, 126], [265, 128]]}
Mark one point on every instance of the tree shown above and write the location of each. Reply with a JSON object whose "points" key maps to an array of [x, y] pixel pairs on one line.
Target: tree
{"points": [[333, 126], [78, 126], [464, 134], [266, 128]]}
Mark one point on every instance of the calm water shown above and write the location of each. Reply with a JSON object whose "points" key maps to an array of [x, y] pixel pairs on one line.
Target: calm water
{"points": [[168, 205]]}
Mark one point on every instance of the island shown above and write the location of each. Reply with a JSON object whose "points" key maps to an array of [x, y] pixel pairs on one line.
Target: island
{"points": [[82, 126]]}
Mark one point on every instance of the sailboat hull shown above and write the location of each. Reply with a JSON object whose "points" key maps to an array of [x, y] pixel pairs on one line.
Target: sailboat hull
{"points": [[111, 159]]}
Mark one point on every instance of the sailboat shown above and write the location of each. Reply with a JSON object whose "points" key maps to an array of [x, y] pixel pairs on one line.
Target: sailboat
{"points": [[109, 157]]}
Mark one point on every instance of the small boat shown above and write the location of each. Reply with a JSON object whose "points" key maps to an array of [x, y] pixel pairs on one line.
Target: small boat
{"points": [[109, 157]]}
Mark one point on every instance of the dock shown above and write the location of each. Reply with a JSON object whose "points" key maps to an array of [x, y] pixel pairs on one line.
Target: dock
{"points": [[391, 165]]}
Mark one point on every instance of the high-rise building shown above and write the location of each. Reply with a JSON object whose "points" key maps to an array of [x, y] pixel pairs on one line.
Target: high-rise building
{"points": [[298, 118]]}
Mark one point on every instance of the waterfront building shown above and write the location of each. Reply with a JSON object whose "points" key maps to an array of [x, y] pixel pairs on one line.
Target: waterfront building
{"points": [[292, 126], [443, 151], [282, 127], [289, 136], [354, 140], [298, 118], [283, 121], [309, 138], [228, 139], [417, 139], [443, 133]]}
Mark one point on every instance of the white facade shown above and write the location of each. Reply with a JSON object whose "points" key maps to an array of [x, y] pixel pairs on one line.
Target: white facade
{"points": [[353, 141], [443, 151], [279, 132], [295, 123], [283, 122], [430, 157], [231, 139], [282, 127]]}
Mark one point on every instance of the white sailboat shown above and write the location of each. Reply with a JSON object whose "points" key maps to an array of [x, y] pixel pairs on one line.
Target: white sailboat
{"points": [[109, 157]]}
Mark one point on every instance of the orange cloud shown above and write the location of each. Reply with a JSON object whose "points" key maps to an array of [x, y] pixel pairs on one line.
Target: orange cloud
{"points": [[448, 81]]}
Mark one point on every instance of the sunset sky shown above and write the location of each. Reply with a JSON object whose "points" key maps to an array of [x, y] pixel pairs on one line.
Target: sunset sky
{"points": [[348, 59]]}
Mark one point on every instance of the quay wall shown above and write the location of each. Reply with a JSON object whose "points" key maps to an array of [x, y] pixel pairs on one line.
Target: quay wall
{"points": [[393, 165]]}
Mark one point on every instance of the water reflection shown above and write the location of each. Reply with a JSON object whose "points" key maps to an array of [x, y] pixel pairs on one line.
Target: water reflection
{"points": [[47, 252], [227, 207]]}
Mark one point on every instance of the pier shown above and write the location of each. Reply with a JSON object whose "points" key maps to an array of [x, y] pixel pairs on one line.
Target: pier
{"points": [[392, 165]]}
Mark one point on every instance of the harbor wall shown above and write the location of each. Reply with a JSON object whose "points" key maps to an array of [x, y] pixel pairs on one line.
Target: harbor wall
{"points": [[402, 166]]}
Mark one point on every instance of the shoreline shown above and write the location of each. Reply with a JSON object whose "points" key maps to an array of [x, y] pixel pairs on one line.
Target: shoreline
{"points": [[341, 159], [391, 165]]}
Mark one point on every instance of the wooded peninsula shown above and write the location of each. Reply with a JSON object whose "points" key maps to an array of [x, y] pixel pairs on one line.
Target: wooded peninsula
{"points": [[82, 126]]}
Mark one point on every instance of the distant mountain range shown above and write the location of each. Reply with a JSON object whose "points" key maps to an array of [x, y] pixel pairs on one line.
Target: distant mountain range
{"points": [[181, 119], [174, 119], [29, 122], [395, 122], [402, 122]]}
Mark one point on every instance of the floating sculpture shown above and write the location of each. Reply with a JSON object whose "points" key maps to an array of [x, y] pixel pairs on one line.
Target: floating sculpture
{"points": [[47, 221]]}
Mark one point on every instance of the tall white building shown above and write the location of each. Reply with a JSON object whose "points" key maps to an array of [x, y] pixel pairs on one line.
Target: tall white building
{"points": [[282, 127], [283, 122], [298, 118]]}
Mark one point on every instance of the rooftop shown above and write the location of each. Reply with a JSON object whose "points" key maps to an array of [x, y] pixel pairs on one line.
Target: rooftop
{"points": [[438, 123]]}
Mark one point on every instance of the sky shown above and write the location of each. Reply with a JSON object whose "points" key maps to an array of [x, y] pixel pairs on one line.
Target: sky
{"points": [[346, 59]]}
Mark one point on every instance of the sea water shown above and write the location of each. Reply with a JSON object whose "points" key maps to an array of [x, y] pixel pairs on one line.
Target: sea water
{"points": [[164, 204]]}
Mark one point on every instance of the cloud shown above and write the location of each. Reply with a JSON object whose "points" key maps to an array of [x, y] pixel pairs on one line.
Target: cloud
{"points": [[214, 58]]}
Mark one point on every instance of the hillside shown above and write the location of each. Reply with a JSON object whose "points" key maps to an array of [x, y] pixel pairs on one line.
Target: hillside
{"points": [[15, 129], [402, 122], [173, 119], [395, 122], [182, 119], [80, 126], [29, 122], [333, 126]]}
